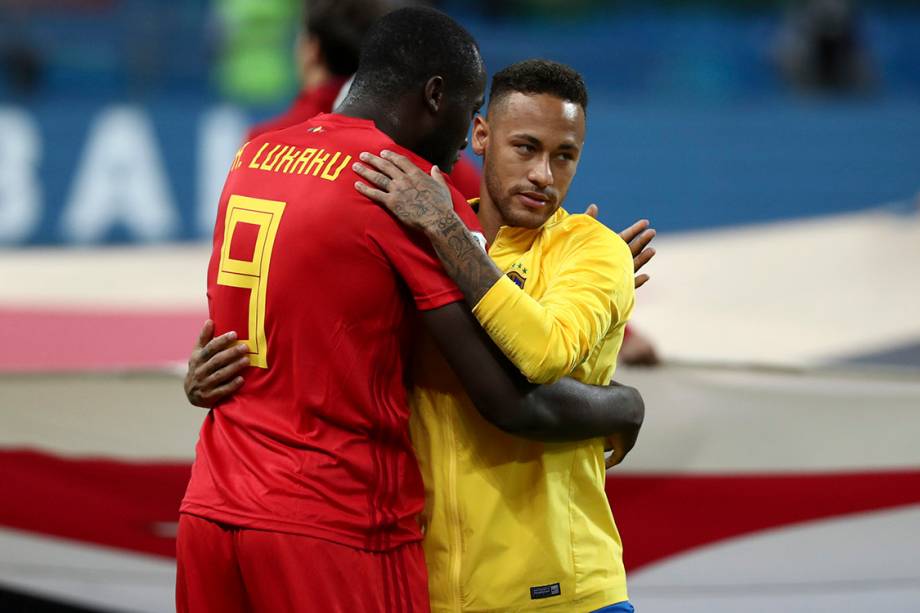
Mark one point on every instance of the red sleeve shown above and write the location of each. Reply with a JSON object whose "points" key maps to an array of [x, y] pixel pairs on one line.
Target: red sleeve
{"points": [[411, 254]]}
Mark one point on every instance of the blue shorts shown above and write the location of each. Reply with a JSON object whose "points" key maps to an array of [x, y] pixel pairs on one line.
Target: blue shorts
{"points": [[620, 607]]}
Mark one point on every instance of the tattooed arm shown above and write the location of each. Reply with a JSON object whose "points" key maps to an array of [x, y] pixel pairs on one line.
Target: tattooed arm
{"points": [[566, 410], [463, 258], [423, 202]]}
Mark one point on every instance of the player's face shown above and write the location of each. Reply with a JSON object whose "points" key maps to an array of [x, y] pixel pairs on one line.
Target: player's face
{"points": [[530, 146]]}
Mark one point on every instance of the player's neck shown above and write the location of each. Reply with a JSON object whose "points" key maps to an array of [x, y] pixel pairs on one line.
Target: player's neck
{"points": [[387, 118], [490, 218]]}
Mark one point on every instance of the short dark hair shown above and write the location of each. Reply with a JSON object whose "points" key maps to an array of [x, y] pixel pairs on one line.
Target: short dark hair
{"points": [[540, 77], [340, 26], [407, 47]]}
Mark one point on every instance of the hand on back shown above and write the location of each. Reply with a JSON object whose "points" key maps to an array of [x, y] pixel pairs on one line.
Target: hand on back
{"points": [[214, 367]]}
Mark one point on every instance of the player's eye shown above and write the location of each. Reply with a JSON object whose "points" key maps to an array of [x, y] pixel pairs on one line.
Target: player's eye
{"points": [[524, 148]]}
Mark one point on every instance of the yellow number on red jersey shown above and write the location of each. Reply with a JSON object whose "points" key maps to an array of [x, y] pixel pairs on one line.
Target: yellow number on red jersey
{"points": [[251, 274]]}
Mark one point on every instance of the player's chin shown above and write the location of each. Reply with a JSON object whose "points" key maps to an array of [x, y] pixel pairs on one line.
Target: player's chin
{"points": [[526, 217]]}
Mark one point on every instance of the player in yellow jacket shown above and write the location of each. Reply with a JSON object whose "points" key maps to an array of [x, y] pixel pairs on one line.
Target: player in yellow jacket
{"points": [[513, 524]]}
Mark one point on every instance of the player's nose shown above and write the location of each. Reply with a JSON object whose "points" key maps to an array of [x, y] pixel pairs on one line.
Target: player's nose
{"points": [[541, 173]]}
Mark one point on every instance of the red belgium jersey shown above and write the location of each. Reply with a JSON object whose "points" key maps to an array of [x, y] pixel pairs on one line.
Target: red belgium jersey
{"points": [[322, 284], [464, 175]]}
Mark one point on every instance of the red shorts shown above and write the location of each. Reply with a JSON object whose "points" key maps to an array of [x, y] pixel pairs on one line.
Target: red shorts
{"points": [[226, 569]]}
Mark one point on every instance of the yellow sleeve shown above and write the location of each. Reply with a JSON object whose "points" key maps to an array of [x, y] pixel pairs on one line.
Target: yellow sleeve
{"points": [[592, 291]]}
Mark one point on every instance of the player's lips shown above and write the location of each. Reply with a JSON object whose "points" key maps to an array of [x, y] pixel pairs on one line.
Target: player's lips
{"points": [[534, 200]]}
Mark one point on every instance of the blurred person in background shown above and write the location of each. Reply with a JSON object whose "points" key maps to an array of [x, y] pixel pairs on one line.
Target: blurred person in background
{"points": [[22, 66], [820, 48], [253, 61], [305, 479], [327, 56], [638, 349]]}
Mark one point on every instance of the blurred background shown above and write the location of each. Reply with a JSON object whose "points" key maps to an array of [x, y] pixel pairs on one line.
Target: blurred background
{"points": [[774, 145]]}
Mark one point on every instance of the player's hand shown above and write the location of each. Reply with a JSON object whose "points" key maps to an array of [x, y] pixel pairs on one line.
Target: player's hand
{"points": [[214, 368], [638, 236], [615, 457], [417, 199], [617, 448]]}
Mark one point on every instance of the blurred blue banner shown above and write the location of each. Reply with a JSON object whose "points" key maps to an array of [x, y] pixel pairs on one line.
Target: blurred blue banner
{"points": [[96, 173], [92, 174], [691, 122]]}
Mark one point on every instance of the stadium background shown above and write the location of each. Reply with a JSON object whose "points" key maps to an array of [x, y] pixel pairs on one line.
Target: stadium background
{"points": [[778, 467]]}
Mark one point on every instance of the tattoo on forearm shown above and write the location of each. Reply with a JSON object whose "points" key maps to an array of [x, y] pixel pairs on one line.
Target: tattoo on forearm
{"points": [[463, 259], [445, 225], [425, 204], [416, 204]]}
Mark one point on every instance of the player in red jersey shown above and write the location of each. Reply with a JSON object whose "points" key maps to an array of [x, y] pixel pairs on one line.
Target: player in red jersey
{"points": [[327, 53], [305, 479]]}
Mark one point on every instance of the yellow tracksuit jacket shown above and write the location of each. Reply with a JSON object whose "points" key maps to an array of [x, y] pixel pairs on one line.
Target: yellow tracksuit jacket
{"points": [[512, 524]]}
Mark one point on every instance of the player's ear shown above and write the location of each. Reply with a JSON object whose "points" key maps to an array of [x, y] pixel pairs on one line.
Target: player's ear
{"points": [[480, 134], [434, 94], [309, 51]]}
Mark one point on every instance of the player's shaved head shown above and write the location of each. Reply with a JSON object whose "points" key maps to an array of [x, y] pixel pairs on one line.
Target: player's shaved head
{"points": [[405, 48], [421, 79], [539, 77], [340, 27]]}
